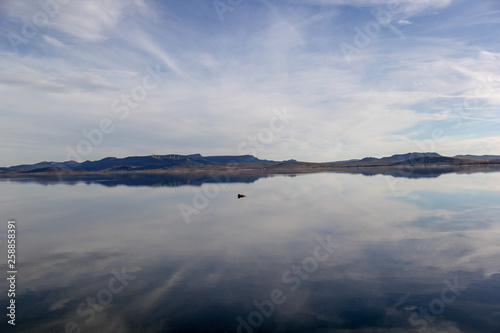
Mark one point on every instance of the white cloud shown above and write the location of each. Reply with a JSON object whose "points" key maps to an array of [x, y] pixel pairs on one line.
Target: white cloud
{"points": [[56, 43], [88, 20], [225, 79]]}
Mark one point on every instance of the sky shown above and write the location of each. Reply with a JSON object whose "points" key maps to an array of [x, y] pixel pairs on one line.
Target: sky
{"points": [[312, 80]]}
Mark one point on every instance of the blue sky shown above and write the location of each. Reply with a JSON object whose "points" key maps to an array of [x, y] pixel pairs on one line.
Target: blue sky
{"points": [[356, 78]]}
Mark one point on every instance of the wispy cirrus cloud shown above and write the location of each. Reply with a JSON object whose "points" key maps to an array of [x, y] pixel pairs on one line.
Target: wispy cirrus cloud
{"points": [[224, 78]]}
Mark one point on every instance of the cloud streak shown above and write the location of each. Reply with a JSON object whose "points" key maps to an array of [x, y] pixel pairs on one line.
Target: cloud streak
{"points": [[225, 78]]}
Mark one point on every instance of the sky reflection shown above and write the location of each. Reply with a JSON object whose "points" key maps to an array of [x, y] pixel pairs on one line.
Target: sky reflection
{"points": [[394, 250]]}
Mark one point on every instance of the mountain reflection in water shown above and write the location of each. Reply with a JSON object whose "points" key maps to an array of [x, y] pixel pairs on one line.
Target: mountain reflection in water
{"points": [[414, 255]]}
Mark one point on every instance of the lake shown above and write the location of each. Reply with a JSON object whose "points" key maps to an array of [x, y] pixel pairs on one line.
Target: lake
{"points": [[325, 252]]}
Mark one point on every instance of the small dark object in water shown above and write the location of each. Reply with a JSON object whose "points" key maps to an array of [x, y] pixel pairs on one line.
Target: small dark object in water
{"points": [[241, 196]]}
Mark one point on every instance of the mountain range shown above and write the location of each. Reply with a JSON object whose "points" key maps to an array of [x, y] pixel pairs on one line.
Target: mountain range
{"points": [[135, 163], [153, 163]]}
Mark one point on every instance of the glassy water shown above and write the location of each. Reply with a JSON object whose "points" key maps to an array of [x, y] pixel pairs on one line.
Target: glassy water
{"points": [[312, 253]]}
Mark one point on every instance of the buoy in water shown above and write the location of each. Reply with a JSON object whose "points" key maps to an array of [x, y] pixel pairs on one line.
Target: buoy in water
{"points": [[241, 196]]}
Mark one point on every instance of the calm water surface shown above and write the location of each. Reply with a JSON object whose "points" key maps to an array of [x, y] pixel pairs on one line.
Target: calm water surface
{"points": [[313, 253]]}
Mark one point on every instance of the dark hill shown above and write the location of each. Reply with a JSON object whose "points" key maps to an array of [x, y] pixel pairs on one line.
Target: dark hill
{"points": [[183, 163], [480, 157], [136, 163], [409, 156], [393, 158]]}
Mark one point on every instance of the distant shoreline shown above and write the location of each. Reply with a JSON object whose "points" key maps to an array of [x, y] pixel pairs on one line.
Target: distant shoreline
{"points": [[417, 163], [276, 168]]}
